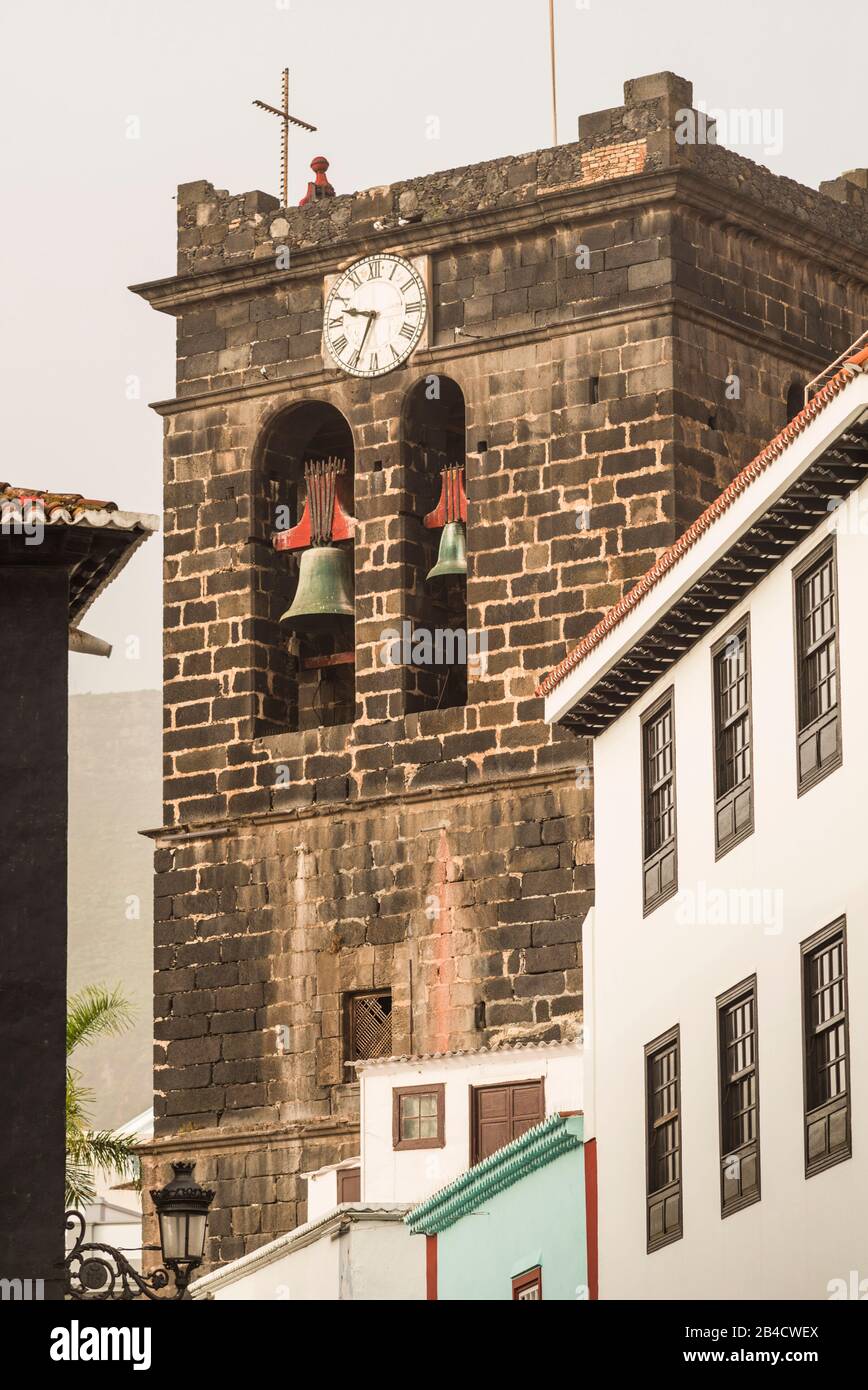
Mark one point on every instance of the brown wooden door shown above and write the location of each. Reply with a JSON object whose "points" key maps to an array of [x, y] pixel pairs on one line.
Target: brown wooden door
{"points": [[349, 1185], [499, 1114]]}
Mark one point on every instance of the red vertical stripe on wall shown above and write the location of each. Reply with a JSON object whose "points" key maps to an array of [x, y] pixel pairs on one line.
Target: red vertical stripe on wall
{"points": [[591, 1217], [431, 1266]]}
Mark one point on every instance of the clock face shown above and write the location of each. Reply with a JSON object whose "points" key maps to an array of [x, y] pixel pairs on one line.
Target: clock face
{"points": [[375, 314]]}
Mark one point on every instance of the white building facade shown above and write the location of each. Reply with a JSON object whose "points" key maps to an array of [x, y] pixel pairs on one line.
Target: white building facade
{"points": [[474, 1103], [726, 958]]}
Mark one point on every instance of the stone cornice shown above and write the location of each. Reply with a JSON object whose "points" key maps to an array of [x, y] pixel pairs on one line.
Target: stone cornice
{"points": [[686, 187], [226, 1141], [215, 830]]}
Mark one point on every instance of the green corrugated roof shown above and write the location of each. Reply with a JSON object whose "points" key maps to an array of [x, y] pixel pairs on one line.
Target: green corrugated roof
{"points": [[531, 1150]]}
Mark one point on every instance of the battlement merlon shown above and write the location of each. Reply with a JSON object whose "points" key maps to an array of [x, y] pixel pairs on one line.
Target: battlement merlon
{"points": [[645, 137]]}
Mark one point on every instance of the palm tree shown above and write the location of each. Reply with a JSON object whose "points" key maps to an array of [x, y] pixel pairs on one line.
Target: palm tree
{"points": [[92, 1013]]}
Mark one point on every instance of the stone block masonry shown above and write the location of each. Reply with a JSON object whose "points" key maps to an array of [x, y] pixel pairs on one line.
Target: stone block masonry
{"points": [[624, 317]]}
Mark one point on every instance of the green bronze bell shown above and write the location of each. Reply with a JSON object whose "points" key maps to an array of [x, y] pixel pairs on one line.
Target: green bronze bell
{"points": [[452, 558], [325, 590]]}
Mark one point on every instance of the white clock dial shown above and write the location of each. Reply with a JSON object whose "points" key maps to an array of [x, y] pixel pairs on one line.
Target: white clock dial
{"points": [[375, 314]]}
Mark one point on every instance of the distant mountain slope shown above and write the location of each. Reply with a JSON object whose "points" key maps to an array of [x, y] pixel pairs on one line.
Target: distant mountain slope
{"points": [[114, 792]]}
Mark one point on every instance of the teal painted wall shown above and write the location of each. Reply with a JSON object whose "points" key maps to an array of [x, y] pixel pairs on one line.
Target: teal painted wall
{"points": [[540, 1220]]}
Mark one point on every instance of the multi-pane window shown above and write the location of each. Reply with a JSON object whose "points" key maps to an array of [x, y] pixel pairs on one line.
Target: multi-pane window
{"points": [[827, 1086], [819, 735], [732, 738], [658, 786], [663, 1127], [418, 1117], [368, 1025], [527, 1287], [739, 1097]]}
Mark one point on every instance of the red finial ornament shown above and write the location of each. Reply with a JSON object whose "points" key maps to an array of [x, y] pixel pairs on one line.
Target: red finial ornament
{"points": [[320, 187]]}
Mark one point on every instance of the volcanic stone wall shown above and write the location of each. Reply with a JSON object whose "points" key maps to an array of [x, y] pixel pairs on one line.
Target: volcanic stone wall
{"points": [[624, 328]]}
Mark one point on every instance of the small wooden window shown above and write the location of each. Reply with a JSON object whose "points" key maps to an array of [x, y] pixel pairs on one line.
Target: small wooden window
{"points": [[733, 756], [368, 1022], [527, 1287], [660, 876], [663, 1128], [349, 1185], [817, 667], [499, 1114], [826, 1049], [738, 1061], [418, 1117]]}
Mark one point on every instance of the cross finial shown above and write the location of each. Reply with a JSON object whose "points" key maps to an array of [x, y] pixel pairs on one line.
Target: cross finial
{"points": [[286, 120]]}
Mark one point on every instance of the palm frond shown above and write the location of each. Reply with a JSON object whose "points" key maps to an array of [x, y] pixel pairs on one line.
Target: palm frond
{"points": [[79, 1187], [93, 1012], [102, 1148]]}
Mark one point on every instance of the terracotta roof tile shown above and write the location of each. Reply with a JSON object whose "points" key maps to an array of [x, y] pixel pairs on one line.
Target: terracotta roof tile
{"points": [[56, 506]]}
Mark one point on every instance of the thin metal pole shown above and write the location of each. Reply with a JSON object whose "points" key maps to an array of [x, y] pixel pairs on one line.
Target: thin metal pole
{"points": [[284, 140], [554, 78]]}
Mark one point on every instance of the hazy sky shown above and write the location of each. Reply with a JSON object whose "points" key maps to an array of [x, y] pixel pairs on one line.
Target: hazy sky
{"points": [[90, 210]]}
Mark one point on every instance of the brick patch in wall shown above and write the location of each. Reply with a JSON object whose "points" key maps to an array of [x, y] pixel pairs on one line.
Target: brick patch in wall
{"points": [[614, 161]]}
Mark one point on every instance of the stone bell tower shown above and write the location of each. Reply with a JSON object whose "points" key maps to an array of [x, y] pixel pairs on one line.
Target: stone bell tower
{"points": [[369, 847]]}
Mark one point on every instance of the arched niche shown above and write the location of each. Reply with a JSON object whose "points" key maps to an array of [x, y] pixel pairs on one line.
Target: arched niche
{"points": [[433, 437], [306, 679], [795, 399]]}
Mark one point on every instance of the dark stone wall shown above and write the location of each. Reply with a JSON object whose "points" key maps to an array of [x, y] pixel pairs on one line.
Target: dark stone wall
{"points": [[34, 608]]}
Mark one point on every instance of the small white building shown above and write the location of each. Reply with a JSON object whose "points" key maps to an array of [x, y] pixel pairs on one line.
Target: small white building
{"points": [[726, 958], [355, 1251], [424, 1121]]}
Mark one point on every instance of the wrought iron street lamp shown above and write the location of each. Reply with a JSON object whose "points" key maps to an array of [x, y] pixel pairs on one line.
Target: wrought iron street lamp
{"points": [[100, 1272], [182, 1210]]}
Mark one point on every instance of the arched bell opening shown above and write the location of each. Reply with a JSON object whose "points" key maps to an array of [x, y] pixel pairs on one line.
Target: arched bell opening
{"points": [[305, 584], [434, 650]]}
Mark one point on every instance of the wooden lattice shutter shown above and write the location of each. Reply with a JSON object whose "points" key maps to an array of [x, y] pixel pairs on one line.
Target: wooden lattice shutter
{"points": [[370, 1026]]}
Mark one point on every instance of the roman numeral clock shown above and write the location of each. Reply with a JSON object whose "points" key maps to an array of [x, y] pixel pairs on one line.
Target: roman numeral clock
{"points": [[375, 315]]}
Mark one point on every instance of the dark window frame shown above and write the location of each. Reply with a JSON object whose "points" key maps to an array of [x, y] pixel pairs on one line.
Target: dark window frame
{"points": [[728, 800], [654, 857], [655, 1196], [726, 1002], [349, 1003], [811, 730], [438, 1141], [530, 1279], [822, 1112]]}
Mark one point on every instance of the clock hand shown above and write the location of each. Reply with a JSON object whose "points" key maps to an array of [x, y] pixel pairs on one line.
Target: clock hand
{"points": [[362, 313], [371, 318]]}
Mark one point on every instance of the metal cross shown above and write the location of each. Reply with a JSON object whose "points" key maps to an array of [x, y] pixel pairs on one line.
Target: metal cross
{"points": [[287, 119]]}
